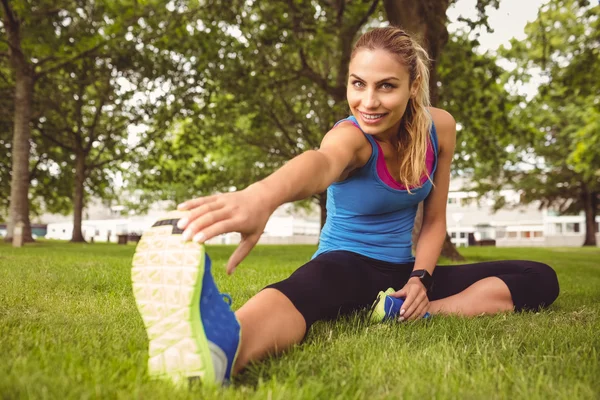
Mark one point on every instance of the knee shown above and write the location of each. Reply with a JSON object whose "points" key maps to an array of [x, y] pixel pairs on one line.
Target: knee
{"points": [[545, 282]]}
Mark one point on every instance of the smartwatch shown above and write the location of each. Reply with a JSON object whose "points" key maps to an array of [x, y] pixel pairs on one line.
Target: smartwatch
{"points": [[424, 276]]}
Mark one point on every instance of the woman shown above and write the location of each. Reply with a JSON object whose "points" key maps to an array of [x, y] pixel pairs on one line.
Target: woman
{"points": [[377, 165]]}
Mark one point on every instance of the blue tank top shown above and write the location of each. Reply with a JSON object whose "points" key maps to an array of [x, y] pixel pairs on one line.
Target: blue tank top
{"points": [[368, 217]]}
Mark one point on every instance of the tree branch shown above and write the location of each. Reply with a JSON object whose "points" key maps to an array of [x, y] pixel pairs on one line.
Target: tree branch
{"points": [[365, 18], [290, 111], [340, 15], [72, 59], [293, 146], [53, 139], [45, 60], [337, 92], [5, 79], [92, 127], [33, 173], [9, 14], [143, 143]]}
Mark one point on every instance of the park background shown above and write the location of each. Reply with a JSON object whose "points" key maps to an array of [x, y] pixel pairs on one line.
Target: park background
{"points": [[137, 105]]}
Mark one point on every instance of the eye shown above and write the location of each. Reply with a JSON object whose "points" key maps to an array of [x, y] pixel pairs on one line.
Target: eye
{"points": [[358, 84], [387, 86]]}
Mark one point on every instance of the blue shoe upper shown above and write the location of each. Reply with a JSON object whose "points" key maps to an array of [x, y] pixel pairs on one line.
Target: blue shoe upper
{"points": [[392, 308], [220, 324]]}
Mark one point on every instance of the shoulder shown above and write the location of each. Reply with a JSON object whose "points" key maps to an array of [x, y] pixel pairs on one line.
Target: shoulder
{"points": [[346, 134], [347, 141], [445, 127]]}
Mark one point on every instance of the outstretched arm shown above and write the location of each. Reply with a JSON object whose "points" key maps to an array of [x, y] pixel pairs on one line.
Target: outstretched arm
{"points": [[247, 211]]}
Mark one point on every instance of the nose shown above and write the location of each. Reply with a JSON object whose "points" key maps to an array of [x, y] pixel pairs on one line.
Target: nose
{"points": [[371, 100]]}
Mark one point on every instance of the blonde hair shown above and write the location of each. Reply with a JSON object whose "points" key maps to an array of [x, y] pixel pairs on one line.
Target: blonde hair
{"points": [[416, 121]]}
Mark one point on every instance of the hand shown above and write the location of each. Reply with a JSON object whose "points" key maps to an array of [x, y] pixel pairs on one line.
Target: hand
{"points": [[245, 212], [416, 302]]}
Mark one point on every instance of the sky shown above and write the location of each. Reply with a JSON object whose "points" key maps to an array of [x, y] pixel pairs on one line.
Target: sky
{"points": [[508, 20]]}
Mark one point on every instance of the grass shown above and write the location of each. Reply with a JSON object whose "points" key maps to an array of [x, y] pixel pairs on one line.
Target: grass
{"points": [[69, 329]]}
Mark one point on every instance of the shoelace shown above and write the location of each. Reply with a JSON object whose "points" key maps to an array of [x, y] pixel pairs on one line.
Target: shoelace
{"points": [[227, 298]]}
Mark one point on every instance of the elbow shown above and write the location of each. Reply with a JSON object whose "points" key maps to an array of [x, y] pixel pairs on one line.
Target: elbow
{"points": [[435, 224]]}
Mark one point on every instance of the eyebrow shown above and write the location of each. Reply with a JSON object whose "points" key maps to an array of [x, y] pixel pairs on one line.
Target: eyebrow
{"points": [[383, 80]]}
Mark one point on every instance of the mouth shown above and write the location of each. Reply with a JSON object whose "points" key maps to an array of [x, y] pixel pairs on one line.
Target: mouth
{"points": [[370, 118]]}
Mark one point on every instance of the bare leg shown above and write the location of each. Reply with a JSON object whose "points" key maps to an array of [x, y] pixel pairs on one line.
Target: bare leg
{"points": [[487, 296], [270, 324]]}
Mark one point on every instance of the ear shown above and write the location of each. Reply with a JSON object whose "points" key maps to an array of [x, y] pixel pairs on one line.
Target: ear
{"points": [[414, 88]]}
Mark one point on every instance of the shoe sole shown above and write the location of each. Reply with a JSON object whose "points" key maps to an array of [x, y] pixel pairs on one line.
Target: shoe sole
{"points": [[167, 278], [377, 310]]}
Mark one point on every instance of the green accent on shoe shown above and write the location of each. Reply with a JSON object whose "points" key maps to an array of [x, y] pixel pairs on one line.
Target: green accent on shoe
{"points": [[378, 312]]}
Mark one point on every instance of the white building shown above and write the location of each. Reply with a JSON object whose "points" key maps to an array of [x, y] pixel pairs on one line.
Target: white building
{"points": [[514, 226], [286, 226], [470, 220]]}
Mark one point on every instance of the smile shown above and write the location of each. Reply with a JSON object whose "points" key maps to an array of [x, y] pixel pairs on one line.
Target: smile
{"points": [[371, 118]]}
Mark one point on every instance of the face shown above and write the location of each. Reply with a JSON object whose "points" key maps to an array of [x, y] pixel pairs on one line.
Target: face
{"points": [[378, 91]]}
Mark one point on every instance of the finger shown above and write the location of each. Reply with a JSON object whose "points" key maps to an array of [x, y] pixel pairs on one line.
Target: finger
{"points": [[185, 222], [409, 299], [413, 305], [188, 205], [424, 310], [241, 252], [420, 311], [419, 299], [224, 226], [400, 293], [204, 222]]}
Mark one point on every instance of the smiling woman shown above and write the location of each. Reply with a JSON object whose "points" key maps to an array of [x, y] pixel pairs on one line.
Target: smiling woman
{"points": [[377, 165], [388, 92]]}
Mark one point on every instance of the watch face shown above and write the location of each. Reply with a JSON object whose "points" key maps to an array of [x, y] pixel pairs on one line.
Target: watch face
{"points": [[424, 276], [419, 274]]}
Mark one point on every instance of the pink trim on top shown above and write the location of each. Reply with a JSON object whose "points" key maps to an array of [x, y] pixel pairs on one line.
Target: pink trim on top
{"points": [[382, 170], [386, 177]]}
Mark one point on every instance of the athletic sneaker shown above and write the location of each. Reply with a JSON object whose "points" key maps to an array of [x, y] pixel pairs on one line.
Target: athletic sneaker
{"points": [[386, 307], [193, 333]]}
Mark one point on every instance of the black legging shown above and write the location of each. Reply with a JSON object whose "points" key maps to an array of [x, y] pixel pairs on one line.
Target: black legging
{"points": [[341, 282]]}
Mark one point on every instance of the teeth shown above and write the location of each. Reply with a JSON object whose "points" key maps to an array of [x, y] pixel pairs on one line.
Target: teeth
{"points": [[373, 116]]}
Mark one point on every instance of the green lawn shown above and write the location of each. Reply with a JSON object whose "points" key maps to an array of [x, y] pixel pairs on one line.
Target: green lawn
{"points": [[69, 328]]}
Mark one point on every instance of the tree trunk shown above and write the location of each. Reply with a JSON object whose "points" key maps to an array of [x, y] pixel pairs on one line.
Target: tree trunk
{"points": [[426, 20], [24, 84], [323, 206], [589, 207], [448, 249], [78, 189]]}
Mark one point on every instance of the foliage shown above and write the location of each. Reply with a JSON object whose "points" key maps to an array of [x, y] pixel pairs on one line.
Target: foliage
{"points": [[559, 157], [472, 89], [275, 86]]}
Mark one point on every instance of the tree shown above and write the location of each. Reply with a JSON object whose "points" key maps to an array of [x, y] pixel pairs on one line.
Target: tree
{"points": [[47, 188], [87, 120], [558, 161], [6, 114], [31, 39], [81, 59]]}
